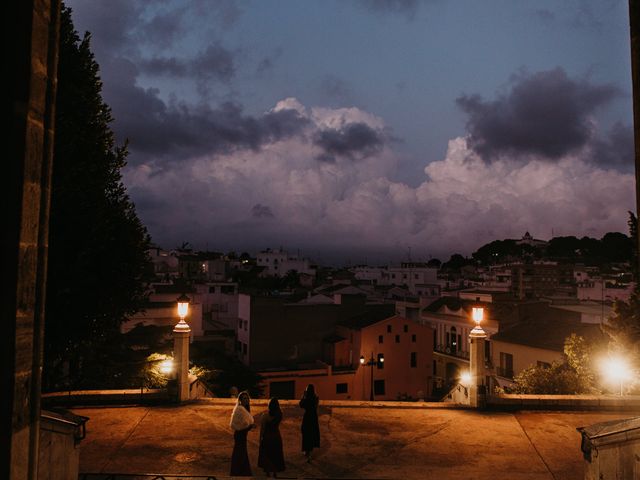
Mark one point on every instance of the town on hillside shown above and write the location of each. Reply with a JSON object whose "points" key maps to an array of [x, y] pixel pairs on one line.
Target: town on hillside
{"points": [[391, 332]]}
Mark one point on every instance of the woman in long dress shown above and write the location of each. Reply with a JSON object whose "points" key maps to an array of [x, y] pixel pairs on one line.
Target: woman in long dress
{"points": [[310, 428], [241, 422], [271, 456]]}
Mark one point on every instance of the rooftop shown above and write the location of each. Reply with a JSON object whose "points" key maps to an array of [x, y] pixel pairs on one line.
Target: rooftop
{"points": [[549, 335], [356, 442]]}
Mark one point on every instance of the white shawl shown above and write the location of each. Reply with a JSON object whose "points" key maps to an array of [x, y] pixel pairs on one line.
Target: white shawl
{"points": [[240, 418]]}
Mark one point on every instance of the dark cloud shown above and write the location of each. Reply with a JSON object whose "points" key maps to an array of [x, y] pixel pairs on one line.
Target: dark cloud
{"points": [[162, 29], [408, 8], [261, 211], [109, 22], [616, 149], [216, 62], [163, 129], [546, 114], [336, 88], [353, 141], [268, 61]]}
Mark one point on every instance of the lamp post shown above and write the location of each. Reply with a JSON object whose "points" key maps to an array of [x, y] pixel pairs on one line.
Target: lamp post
{"points": [[618, 370], [371, 363], [181, 334], [476, 359]]}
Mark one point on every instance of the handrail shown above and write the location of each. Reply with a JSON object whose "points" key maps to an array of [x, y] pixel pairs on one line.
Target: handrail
{"points": [[141, 476]]}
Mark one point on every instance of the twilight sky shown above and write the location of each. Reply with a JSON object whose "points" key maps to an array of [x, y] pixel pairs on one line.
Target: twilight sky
{"points": [[369, 129]]}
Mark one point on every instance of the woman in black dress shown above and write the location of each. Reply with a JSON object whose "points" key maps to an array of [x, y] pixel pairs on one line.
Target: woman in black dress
{"points": [[241, 423], [310, 427], [271, 456]]}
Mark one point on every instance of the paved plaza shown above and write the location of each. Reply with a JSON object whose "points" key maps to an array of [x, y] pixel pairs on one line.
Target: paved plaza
{"points": [[356, 442]]}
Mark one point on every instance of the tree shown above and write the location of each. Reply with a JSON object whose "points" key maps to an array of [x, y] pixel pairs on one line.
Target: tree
{"points": [[572, 376], [97, 247], [434, 263], [456, 262], [623, 326]]}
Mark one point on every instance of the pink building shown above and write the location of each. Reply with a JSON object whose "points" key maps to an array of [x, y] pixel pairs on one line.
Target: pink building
{"points": [[397, 362]]}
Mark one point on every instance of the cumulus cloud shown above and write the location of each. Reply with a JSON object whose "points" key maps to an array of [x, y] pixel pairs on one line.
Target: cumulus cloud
{"points": [[215, 62], [261, 211], [354, 141], [230, 197], [546, 114], [174, 130]]}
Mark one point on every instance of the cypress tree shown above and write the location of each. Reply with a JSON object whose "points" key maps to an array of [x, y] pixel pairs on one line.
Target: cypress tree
{"points": [[98, 259]]}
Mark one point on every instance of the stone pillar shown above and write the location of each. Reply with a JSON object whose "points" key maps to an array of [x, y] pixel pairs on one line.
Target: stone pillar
{"points": [[476, 368], [29, 109], [181, 334]]}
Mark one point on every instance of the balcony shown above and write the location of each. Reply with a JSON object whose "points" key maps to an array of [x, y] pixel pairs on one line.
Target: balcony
{"points": [[447, 350]]}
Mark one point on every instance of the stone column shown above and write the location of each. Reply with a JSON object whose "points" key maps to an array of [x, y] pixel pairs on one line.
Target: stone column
{"points": [[181, 334], [30, 76], [476, 367]]}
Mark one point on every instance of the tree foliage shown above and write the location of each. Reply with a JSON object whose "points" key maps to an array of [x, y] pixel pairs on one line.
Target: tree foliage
{"points": [[623, 326], [575, 375], [97, 246]]}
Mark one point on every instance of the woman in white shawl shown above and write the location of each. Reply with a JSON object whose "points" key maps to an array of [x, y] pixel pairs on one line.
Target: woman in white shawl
{"points": [[241, 422]]}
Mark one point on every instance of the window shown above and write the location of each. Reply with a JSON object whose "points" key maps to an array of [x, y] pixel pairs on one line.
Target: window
{"points": [[543, 364], [406, 328], [388, 328], [238, 346], [342, 388], [413, 338], [414, 359], [380, 339], [228, 289], [397, 338], [416, 276], [380, 361], [244, 348], [212, 289], [506, 365], [378, 387], [454, 340], [246, 324]]}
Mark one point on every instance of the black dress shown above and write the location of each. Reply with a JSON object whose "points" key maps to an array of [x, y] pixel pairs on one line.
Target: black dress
{"points": [[240, 457], [310, 427], [271, 456]]}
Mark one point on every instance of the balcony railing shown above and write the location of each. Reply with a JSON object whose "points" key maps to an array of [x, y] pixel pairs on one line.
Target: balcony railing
{"points": [[447, 350]]}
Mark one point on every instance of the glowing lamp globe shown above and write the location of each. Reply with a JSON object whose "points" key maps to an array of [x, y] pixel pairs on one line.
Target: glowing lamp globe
{"points": [[477, 314], [183, 306], [362, 360], [166, 366]]}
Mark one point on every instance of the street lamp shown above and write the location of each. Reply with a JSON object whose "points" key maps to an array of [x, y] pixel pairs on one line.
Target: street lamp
{"points": [[183, 311], [371, 363], [166, 366], [181, 334], [618, 370], [477, 314]]}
